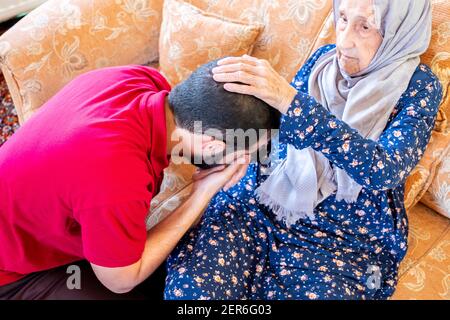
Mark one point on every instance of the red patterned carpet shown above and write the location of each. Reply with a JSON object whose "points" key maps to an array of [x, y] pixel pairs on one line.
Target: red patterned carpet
{"points": [[8, 115]]}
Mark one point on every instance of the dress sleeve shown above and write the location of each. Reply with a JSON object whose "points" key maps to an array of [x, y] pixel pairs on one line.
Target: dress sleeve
{"points": [[375, 165]]}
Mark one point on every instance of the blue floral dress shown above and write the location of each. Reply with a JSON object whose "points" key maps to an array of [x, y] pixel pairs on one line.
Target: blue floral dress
{"points": [[351, 251]]}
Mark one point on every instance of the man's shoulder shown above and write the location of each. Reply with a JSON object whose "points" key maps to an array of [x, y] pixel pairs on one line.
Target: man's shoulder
{"points": [[130, 71]]}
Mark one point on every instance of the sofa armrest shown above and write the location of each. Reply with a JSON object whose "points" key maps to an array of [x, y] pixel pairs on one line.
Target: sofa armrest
{"points": [[176, 187], [62, 39]]}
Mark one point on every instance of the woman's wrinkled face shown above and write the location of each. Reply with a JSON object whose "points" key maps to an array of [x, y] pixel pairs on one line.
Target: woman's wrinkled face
{"points": [[357, 35]]}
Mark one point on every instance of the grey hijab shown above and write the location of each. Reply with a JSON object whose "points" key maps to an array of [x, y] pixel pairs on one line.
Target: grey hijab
{"points": [[364, 101]]}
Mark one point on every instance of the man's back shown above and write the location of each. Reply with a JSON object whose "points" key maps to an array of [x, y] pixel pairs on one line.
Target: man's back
{"points": [[76, 180]]}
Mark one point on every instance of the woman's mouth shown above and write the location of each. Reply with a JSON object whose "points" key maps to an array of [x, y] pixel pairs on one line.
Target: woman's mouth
{"points": [[345, 57]]}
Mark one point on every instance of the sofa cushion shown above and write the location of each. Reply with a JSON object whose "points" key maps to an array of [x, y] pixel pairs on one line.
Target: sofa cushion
{"points": [[437, 196], [424, 273], [290, 30], [438, 58], [191, 37], [175, 188]]}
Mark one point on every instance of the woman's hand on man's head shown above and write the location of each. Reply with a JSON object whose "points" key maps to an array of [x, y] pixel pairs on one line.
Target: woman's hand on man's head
{"points": [[257, 78]]}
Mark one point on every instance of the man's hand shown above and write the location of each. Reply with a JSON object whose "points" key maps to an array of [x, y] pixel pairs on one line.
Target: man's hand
{"points": [[164, 236], [212, 180]]}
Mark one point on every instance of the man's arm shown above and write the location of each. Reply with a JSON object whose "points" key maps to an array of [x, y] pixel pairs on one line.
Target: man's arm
{"points": [[163, 238]]}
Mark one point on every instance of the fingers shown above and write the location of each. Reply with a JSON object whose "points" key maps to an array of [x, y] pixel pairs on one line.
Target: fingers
{"points": [[233, 167], [243, 162], [225, 176], [238, 76], [233, 180], [233, 60], [240, 88], [241, 66], [200, 174], [252, 75], [228, 182], [236, 177], [252, 59]]}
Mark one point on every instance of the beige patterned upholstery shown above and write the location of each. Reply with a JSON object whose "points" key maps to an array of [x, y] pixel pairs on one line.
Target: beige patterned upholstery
{"points": [[425, 272], [64, 38], [191, 37], [437, 196]]}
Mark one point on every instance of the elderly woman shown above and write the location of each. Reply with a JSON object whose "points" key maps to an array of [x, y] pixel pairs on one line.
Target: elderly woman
{"points": [[329, 222]]}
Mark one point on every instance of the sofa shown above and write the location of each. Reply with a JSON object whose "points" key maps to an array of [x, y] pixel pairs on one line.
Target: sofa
{"points": [[62, 39], [11, 8]]}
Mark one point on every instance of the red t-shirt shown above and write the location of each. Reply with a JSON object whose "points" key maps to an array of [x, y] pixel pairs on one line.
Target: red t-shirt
{"points": [[77, 179]]}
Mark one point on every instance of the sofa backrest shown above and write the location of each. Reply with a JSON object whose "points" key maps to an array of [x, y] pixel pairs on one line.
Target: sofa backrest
{"points": [[62, 39]]}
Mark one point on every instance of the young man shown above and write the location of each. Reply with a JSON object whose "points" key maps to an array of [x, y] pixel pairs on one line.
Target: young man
{"points": [[77, 179]]}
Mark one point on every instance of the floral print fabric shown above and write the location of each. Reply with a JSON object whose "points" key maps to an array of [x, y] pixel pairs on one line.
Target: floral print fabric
{"points": [[351, 251]]}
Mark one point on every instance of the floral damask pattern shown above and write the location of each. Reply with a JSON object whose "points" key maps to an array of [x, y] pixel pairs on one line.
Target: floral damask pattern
{"points": [[64, 38], [425, 271], [8, 115], [437, 196], [175, 188], [302, 10], [289, 25], [443, 33], [191, 37], [429, 170]]}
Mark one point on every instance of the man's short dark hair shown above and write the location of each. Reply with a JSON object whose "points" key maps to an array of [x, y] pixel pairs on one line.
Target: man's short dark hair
{"points": [[201, 98]]}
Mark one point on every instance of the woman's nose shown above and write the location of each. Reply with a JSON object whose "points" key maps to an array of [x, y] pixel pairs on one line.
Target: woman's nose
{"points": [[345, 39]]}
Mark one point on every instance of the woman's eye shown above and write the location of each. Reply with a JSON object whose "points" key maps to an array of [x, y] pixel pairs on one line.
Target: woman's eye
{"points": [[343, 18]]}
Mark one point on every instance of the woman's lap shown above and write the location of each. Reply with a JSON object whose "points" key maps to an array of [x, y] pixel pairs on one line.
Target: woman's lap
{"points": [[239, 251], [217, 259]]}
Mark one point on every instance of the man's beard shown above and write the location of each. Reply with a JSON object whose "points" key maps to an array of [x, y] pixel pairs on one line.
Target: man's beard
{"points": [[202, 164], [260, 157]]}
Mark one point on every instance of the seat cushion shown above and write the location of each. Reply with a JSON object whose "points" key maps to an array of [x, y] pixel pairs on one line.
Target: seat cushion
{"points": [[425, 271], [423, 274]]}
